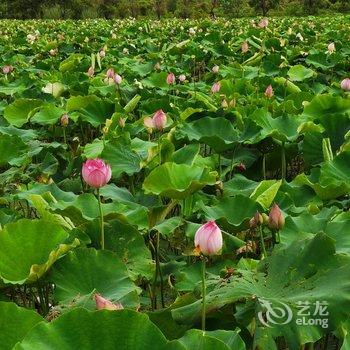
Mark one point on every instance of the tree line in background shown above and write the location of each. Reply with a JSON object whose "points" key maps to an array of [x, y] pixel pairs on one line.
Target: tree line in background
{"points": [[81, 9]]}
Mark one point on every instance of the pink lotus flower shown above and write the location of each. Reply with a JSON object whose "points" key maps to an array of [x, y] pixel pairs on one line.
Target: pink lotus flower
{"points": [[276, 219], [182, 78], [215, 69], [345, 84], [7, 69], [110, 73], [118, 79], [208, 239], [331, 48], [269, 91], [96, 173], [105, 304], [263, 23], [245, 47], [216, 87], [170, 79], [64, 120], [256, 220], [90, 72], [158, 121]]}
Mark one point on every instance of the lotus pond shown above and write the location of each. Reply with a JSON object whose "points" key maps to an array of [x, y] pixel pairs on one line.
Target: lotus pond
{"points": [[175, 184]]}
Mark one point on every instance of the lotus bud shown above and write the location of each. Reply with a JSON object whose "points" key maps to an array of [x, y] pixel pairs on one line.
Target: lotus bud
{"points": [[264, 23], [208, 239], [216, 87], [102, 53], [224, 103], [241, 167], [125, 51], [182, 78], [53, 52], [331, 48], [64, 120], [90, 72], [170, 79], [345, 84], [105, 304], [269, 91], [110, 73], [245, 47], [7, 69], [159, 120], [276, 219], [148, 123], [121, 122], [96, 173], [191, 31], [118, 79], [157, 66], [215, 69], [256, 220], [265, 219]]}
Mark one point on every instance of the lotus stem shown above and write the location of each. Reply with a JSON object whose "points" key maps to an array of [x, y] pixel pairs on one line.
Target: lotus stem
{"points": [[283, 161], [262, 241], [203, 293], [101, 220], [264, 166]]}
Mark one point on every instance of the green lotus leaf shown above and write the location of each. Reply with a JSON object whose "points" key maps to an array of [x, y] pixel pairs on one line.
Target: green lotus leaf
{"points": [[300, 73], [47, 115], [306, 271], [15, 323], [18, 112], [121, 158], [103, 330], [97, 112], [290, 87], [218, 133], [38, 243], [85, 271], [235, 210], [178, 180], [265, 192], [322, 105], [80, 102], [55, 89], [11, 149]]}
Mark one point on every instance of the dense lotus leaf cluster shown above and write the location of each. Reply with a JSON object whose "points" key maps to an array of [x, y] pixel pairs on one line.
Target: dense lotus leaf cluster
{"points": [[176, 123]]}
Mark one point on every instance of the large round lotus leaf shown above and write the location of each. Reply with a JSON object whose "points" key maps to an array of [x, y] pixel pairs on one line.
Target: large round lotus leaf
{"points": [[85, 271], [326, 104], [29, 247], [300, 73], [235, 210], [48, 115], [306, 271], [178, 180], [11, 148], [218, 133], [102, 330], [18, 112], [15, 323]]}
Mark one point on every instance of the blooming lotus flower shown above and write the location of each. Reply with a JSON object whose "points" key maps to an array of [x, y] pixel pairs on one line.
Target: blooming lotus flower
{"points": [[7, 69], [159, 120], [276, 219], [269, 91], [331, 48], [256, 220], [345, 84], [263, 23], [64, 120], [216, 87], [102, 303], [215, 69], [182, 78], [170, 79], [118, 79], [90, 72], [245, 47], [96, 173], [110, 73], [208, 238]]}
